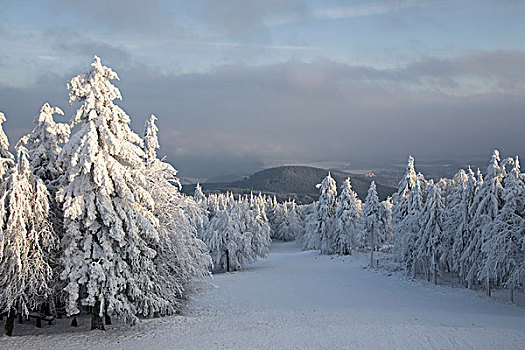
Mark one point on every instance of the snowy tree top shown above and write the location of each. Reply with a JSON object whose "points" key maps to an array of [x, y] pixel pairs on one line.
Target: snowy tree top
{"points": [[4, 142], [327, 185], [151, 141]]}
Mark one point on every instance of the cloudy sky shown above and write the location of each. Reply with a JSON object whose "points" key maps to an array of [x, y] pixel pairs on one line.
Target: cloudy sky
{"points": [[237, 83]]}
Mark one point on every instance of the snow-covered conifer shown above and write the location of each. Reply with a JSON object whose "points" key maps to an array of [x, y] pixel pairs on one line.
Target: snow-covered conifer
{"points": [[485, 207], [26, 239], [348, 223], [401, 207], [326, 214], [43, 144], [431, 235], [229, 244], [181, 256], [6, 158], [504, 248], [151, 141], [289, 226], [110, 229], [199, 196], [370, 220], [385, 222], [457, 219]]}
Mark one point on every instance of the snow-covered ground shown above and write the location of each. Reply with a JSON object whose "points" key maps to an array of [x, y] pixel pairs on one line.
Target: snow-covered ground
{"points": [[301, 300]]}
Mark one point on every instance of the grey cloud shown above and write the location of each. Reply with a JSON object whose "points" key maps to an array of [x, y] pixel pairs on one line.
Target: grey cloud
{"points": [[67, 40], [308, 111]]}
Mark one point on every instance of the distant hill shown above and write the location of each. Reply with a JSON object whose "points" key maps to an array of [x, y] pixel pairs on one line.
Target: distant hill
{"points": [[295, 182]]}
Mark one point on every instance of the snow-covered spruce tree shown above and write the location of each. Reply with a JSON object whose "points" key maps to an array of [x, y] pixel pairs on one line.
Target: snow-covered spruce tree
{"points": [[457, 220], [309, 237], [486, 204], [43, 144], [326, 214], [26, 239], [6, 158], [198, 195], [289, 226], [229, 243], [504, 249], [348, 224], [110, 233], [274, 212], [370, 220], [407, 228], [181, 256], [252, 221], [431, 235], [401, 208], [385, 223]]}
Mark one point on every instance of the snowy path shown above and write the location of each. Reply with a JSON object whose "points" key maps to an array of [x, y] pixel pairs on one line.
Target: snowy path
{"points": [[300, 300]]}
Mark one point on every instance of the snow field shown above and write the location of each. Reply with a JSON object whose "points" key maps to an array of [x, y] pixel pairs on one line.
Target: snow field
{"points": [[303, 300]]}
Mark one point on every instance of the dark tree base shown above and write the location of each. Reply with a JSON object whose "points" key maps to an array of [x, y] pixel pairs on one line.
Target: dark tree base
{"points": [[10, 323], [96, 319]]}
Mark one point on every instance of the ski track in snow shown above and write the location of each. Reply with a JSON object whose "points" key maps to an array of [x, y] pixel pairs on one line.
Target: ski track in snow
{"points": [[302, 300]]}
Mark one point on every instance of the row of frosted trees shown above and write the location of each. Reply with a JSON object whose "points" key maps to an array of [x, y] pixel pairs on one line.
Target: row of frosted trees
{"points": [[337, 224], [239, 230], [90, 218], [472, 225]]}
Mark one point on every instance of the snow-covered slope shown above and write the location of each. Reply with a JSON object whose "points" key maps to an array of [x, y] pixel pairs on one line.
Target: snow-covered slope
{"points": [[301, 300]]}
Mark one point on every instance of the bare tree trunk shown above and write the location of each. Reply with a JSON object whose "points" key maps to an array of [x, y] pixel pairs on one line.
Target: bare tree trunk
{"points": [[488, 287], [10, 322], [96, 319], [74, 322], [39, 322], [227, 260], [511, 294], [107, 319], [372, 248]]}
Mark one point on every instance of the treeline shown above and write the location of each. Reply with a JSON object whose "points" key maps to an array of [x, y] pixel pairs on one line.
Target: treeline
{"points": [[471, 226]]}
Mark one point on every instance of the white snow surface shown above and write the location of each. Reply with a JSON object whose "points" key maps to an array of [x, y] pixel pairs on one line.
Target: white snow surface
{"points": [[303, 300]]}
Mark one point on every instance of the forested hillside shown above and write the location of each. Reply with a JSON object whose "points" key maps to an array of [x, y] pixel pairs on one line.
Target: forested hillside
{"points": [[295, 182]]}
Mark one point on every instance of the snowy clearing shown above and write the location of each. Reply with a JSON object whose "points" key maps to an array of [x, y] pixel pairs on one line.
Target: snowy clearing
{"points": [[299, 300]]}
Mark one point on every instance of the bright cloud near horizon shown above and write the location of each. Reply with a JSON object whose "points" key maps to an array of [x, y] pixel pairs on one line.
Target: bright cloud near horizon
{"points": [[236, 82]]}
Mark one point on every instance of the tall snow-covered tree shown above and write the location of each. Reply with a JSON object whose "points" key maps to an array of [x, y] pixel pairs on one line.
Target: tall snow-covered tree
{"points": [[457, 219], [108, 257], [484, 209], [326, 214], [385, 222], [181, 256], [431, 234], [309, 238], [6, 158], [401, 207], [26, 239], [348, 223], [370, 219], [504, 248], [44, 144], [410, 224]]}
